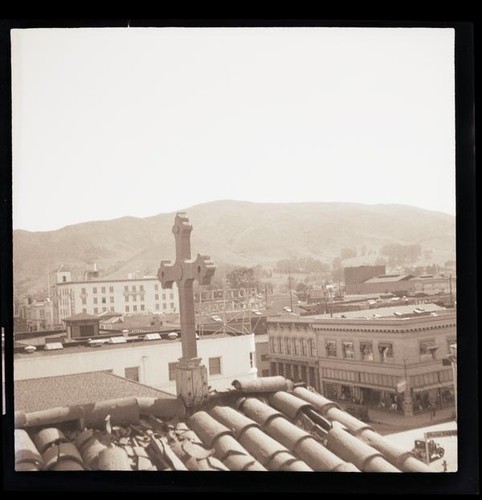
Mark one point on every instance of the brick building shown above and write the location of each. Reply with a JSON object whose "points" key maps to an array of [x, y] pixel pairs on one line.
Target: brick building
{"points": [[391, 359]]}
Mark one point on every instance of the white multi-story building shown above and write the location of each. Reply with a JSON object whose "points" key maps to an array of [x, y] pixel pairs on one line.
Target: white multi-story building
{"points": [[150, 362], [126, 296]]}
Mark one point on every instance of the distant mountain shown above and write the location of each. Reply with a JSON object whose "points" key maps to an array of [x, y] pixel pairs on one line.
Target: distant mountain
{"points": [[231, 232]]}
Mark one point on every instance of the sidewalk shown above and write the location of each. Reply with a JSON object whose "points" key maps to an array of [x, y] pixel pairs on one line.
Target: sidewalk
{"points": [[387, 423]]}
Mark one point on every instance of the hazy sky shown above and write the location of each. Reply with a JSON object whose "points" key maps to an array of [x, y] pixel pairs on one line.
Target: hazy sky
{"points": [[126, 121]]}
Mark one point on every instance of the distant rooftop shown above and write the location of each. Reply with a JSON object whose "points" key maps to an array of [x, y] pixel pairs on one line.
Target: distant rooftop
{"points": [[381, 312], [82, 388], [81, 317], [385, 278]]}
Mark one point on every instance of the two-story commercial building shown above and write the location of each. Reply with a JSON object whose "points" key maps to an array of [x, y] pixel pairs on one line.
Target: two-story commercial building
{"points": [[390, 358]]}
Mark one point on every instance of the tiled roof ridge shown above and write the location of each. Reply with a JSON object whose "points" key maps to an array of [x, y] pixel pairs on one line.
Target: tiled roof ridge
{"points": [[266, 424]]}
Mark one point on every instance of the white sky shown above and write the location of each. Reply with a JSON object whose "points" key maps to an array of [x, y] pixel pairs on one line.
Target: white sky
{"points": [[126, 121]]}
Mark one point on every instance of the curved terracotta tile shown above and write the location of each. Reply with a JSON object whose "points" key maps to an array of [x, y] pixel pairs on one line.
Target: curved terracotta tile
{"points": [[48, 436], [287, 403]]}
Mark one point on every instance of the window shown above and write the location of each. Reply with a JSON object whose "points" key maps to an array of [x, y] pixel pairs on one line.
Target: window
{"points": [[134, 288], [95, 300], [215, 366], [141, 288], [127, 298], [157, 296], [264, 357], [94, 289], [84, 301], [265, 373], [280, 345], [304, 350], [84, 310], [296, 347], [132, 373], [96, 310], [172, 370], [386, 352], [83, 291], [348, 351], [134, 308], [127, 309], [126, 288], [64, 279], [104, 309], [112, 300], [103, 289], [171, 296], [111, 289], [172, 306], [156, 287], [331, 348], [163, 296], [287, 345], [142, 307], [251, 359], [164, 306], [366, 351], [157, 307], [86, 330], [134, 298], [104, 300], [112, 309], [311, 342], [427, 349]]}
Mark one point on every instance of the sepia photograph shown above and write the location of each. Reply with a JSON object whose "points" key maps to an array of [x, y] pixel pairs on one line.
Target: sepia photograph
{"points": [[234, 249]]}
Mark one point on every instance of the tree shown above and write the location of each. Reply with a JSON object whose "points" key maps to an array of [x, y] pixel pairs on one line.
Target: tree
{"points": [[347, 253], [242, 277]]}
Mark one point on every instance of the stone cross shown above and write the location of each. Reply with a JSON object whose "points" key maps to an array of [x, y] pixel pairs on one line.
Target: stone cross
{"points": [[191, 374], [184, 271]]}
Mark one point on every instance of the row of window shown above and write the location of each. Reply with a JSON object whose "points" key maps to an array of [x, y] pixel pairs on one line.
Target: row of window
{"points": [[128, 309], [292, 346], [214, 367], [303, 347], [103, 289], [431, 378], [360, 377]]}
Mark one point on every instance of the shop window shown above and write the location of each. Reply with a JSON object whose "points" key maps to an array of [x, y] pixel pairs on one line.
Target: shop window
{"points": [[331, 348], [366, 351]]}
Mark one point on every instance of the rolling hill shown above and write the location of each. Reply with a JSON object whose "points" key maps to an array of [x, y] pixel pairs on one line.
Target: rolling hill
{"points": [[231, 232]]}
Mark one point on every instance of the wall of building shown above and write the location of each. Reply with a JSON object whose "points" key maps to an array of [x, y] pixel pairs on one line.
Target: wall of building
{"points": [[416, 346], [127, 296], [262, 355], [403, 286], [354, 275], [152, 359]]}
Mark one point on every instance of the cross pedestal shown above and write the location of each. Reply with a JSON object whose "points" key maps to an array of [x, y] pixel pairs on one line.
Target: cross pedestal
{"points": [[191, 375]]}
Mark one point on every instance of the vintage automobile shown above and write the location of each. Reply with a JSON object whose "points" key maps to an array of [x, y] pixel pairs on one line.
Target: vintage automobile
{"points": [[434, 449]]}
